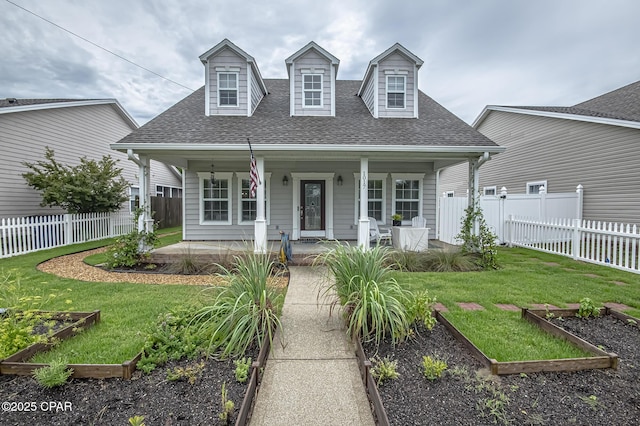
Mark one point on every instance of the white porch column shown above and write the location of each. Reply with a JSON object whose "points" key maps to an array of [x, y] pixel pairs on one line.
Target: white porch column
{"points": [[363, 223], [260, 239]]}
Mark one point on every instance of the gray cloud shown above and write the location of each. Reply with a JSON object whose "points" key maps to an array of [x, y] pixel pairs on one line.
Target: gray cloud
{"points": [[476, 53]]}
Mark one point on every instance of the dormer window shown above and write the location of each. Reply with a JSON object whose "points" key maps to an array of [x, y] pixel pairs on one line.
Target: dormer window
{"points": [[228, 89], [395, 91], [312, 89]]}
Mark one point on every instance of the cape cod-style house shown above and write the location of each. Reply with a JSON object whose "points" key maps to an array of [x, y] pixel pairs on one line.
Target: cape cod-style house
{"points": [[330, 153]]}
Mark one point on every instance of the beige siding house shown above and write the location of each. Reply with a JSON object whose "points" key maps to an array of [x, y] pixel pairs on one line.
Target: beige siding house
{"points": [[595, 144], [330, 153], [73, 129]]}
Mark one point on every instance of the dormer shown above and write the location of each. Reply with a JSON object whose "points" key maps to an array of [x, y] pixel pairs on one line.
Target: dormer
{"points": [[312, 81], [390, 85], [233, 84]]}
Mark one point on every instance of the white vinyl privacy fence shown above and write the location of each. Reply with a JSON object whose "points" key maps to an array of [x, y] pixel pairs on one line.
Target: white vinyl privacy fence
{"points": [[604, 243], [19, 235], [497, 209]]}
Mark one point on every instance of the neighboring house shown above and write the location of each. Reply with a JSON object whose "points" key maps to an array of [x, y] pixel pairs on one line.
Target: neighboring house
{"points": [[73, 129], [595, 144], [330, 153]]}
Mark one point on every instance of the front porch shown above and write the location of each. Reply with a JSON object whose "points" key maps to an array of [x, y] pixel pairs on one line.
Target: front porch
{"points": [[303, 251]]}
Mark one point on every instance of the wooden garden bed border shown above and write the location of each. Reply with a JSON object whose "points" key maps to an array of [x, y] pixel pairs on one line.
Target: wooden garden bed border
{"points": [[600, 360], [257, 367], [16, 365]]}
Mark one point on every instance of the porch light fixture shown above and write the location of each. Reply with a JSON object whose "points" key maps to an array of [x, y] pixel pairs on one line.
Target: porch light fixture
{"points": [[212, 174], [285, 180], [339, 180]]}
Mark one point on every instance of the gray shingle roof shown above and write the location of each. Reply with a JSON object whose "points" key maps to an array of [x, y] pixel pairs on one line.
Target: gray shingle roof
{"points": [[271, 123], [620, 104], [623, 102]]}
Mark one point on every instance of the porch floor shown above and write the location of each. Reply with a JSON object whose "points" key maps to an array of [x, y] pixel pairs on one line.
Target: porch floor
{"points": [[214, 251]]}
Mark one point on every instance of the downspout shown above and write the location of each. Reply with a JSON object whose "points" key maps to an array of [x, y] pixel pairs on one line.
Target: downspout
{"points": [[437, 230]]}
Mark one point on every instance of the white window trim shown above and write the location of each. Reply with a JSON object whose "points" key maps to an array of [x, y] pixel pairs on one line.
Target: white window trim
{"points": [[132, 197], [321, 91], [172, 188], [371, 176], [219, 175], [489, 188], [404, 91], [537, 182], [237, 89], [267, 182], [407, 176], [450, 194]]}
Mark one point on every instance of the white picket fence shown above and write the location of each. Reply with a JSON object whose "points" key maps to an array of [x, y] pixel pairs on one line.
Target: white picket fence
{"points": [[20, 235], [497, 208], [605, 243]]}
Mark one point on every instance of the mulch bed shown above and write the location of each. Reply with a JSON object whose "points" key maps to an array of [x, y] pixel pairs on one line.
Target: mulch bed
{"points": [[468, 395], [114, 401]]}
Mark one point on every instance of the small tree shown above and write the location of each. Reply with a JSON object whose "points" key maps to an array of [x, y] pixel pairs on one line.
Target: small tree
{"points": [[482, 243], [92, 186]]}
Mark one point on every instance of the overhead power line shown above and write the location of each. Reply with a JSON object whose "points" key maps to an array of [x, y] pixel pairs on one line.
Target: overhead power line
{"points": [[100, 47]]}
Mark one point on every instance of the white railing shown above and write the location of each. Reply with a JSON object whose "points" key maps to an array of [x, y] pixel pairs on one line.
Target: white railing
{"points": [[20, 235], [612, 244]]}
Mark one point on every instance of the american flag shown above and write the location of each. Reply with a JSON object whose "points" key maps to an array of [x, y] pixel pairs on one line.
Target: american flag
{"points": [[253, 176]]}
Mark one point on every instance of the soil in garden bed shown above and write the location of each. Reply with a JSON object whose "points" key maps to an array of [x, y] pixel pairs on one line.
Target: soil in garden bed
{"points": [[467, 395], [114, 401]]}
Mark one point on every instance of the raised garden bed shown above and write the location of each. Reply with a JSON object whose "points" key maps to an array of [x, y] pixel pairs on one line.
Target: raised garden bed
{"points": [[17, 364], [466, 394]]}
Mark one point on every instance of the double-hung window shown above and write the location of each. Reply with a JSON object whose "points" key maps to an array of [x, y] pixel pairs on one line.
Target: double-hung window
{"points": [[227, 89], [312, 90], [407, 196], [490, 190], [534, 187], [215, 204], [396, 90], [246, 204], [376, 197]]}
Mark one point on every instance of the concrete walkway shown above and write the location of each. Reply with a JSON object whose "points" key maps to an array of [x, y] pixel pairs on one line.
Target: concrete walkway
{"points": [[315, 379]]}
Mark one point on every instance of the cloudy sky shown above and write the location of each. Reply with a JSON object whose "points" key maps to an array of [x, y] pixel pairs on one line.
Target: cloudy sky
{"points": [[475, 52]]}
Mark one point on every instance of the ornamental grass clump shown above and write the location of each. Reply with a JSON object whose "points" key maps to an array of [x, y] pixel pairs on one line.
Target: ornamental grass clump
{"points": [[373, 303], [245, 311]]}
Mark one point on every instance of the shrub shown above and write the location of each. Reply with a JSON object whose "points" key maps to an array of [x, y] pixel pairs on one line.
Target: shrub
{"points": [[55, 374], [483, 244], [420, 309], [245, 311], [170, 339], [186, 264], [373, 303], [131, 249], [384, 369], [449, 261], [587, 308], [242, 369], [433, 368]]}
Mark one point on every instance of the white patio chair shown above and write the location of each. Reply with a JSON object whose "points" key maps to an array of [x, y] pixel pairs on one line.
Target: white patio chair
{"points": [[418, 222], [378, 234]]}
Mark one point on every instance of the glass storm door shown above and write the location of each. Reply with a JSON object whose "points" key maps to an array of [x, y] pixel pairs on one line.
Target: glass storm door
{"points": [[312, 206]]}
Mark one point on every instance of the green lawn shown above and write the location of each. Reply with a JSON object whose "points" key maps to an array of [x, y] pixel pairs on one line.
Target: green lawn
{"points": [[526, 277], [126, 310]]}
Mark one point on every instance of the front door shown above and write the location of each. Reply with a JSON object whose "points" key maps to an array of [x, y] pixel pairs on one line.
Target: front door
{"points": [[312, 208]]}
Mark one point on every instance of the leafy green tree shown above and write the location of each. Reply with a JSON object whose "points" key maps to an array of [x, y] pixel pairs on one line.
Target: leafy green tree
{"points": [[90, 187]]}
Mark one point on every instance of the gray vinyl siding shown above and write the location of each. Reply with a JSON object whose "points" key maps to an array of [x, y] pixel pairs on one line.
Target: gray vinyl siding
{"points": [[345, 225], [312, 60], [602, 158], [368, 96], [256, 92], [228, 58], [72, 132], [392, 63]]}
